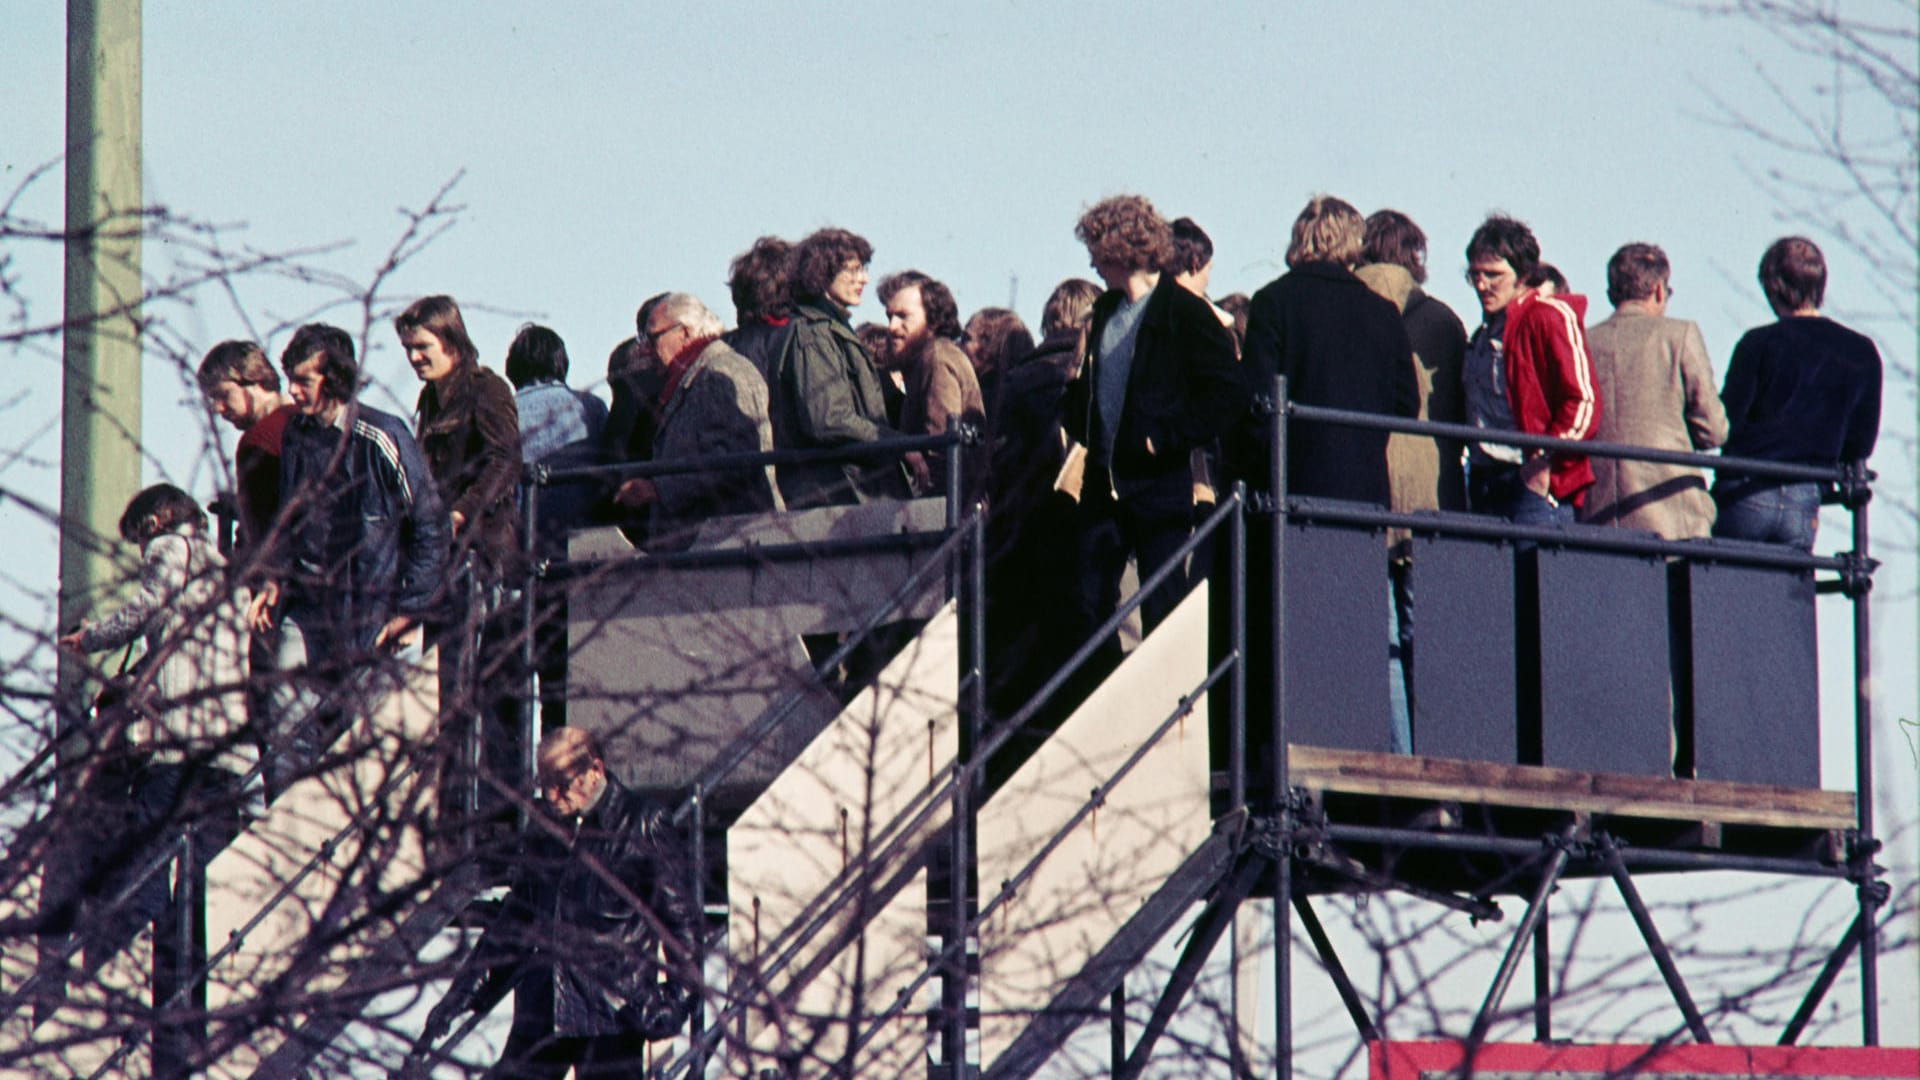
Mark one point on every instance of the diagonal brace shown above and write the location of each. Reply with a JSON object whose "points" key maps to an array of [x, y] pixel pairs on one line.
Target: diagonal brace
{"points": [[1480, 909], [1824, 981], [1356, 1007], [1561, 847], [1662, 956], [1207, 931]]}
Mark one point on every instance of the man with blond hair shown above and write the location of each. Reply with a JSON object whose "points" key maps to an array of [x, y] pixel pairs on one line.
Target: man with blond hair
{"points": [[1341, 346], [242, 388]]}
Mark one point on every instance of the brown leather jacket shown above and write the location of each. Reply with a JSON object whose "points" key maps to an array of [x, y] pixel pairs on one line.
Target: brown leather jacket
{"points": [[469, 432]]}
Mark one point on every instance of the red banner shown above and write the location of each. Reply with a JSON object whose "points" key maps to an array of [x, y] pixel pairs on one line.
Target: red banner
{"points": [[1512, 1061]]}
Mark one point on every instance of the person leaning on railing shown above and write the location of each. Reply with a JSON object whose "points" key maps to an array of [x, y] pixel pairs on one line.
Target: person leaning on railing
{"points": [[1804, 389], [177, 747]]}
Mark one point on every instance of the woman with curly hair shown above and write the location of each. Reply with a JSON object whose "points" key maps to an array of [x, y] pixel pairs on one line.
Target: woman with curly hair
{"points": [[825, 391]]}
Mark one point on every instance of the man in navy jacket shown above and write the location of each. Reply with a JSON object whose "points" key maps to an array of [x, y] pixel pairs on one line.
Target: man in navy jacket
{"points": [[361, 551]]}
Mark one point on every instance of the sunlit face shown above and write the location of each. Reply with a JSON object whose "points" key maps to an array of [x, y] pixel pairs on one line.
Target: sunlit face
{"points": [[428, 354], [664, 337], [571, 796], [235, 403], [1496, 284], [1114, 274], [906, 320], [849, 284], [970, 339], [305, 382]]}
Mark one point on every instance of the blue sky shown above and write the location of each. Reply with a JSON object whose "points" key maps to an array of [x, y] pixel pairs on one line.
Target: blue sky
{"points": [[611, 151]]}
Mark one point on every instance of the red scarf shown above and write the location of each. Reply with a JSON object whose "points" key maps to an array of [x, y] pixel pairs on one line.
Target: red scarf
{"points": [[677, 369]]}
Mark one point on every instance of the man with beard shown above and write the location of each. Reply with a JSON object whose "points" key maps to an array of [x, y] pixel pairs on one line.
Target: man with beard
{"points": [[923, 327]]}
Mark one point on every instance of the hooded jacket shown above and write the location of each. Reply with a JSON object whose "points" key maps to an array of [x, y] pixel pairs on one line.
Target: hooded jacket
{"points": [[193, 623]]}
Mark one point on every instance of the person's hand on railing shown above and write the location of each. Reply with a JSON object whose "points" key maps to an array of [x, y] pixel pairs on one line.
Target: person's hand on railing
{"points": [[440, 1019], [1537, 474], [636, 493], [918, 472]]}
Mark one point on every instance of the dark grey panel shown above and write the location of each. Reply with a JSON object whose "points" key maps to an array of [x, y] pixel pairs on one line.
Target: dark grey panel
{"points": [[1336, 660], [1463, 650], [1756, 695], [1605, 699]]}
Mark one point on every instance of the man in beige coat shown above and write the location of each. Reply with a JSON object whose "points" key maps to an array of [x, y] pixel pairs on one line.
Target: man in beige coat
{"points": [[1654, 375]]}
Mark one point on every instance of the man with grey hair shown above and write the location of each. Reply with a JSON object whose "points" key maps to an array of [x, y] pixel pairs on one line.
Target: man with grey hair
{"points": [[714, 402]]}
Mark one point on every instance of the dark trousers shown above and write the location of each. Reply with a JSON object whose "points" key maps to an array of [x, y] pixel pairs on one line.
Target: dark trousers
{"points": [[484, 709], [132, 815], [534, 1052], [1143, 529]]}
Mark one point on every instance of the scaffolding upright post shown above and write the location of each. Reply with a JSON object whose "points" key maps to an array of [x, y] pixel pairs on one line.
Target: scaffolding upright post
{"points": [[1858, 591], [1282, 793]]}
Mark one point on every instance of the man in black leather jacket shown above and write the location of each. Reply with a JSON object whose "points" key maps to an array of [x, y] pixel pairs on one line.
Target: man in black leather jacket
{"points": [[593, 939]]}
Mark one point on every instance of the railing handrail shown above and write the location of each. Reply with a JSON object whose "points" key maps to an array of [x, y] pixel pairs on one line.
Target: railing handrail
{"points": [[1576, 535], [1781, 470], [640, 560], [893, 446]]}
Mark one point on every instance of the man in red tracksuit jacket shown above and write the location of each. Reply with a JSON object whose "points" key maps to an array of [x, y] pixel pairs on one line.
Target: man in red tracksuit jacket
{"points": [[1526, 370]]}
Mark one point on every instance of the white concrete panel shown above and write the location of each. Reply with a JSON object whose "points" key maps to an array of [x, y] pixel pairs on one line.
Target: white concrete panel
{"points": [[244, 877], [1114, 859], [833, 808]]}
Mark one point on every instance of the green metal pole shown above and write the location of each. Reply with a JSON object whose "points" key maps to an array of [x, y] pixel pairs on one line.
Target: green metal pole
{"points": [[100, 349]]}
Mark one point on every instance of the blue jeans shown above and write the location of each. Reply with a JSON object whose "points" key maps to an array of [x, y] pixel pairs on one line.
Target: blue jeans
{"points": [[1495, 489], [1772, 513], [1399, 659]]}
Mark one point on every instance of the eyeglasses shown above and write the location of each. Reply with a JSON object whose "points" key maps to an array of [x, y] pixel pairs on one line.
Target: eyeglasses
{"points": [[652, 337], [1478, 277], [553, 789]]}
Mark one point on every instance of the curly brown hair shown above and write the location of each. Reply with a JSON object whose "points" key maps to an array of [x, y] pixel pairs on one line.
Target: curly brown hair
{"points": [[759, 282], [818, 259], [1125, 231]]}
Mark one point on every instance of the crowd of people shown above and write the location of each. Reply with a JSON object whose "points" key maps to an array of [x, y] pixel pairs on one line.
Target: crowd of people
{"points": [[1104, 438], [1102, 441]]}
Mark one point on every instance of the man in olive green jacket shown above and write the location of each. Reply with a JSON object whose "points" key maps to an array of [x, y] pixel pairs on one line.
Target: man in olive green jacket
{"points": [[825, 392]]}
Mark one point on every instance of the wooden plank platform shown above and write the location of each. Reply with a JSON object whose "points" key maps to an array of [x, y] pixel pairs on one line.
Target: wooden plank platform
{"points": [[1715, 802]]}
